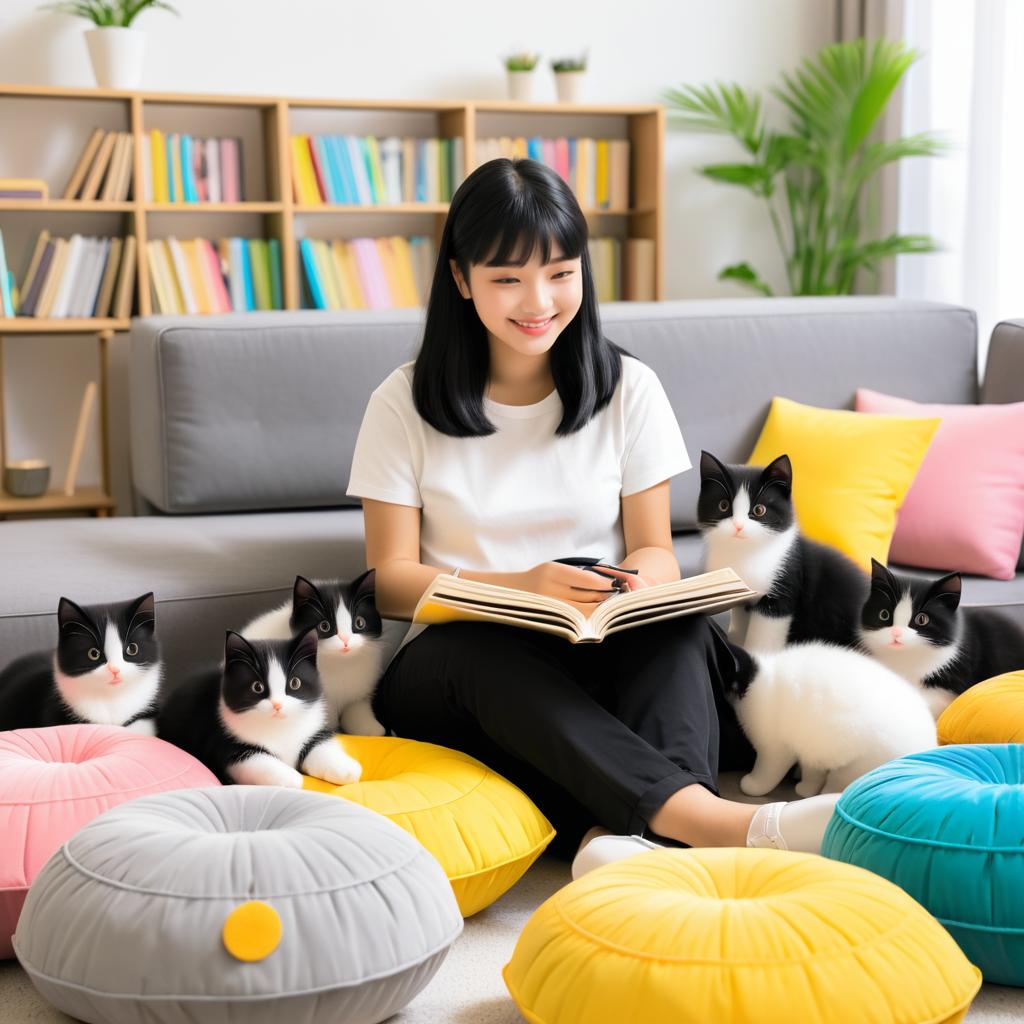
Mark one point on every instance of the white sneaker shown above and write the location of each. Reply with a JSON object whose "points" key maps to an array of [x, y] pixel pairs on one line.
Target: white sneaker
{"points": [[605, 849]]}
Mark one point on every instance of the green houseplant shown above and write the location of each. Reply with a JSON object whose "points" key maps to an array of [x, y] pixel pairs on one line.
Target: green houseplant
{"points": [[570, 73], [817, 176], [519, 67], [115, 46]]}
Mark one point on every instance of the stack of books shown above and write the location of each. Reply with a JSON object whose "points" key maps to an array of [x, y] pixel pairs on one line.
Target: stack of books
{"points": [[622, 270], [597, 170], [104, 170], [80, 277], [366, 170], [178, 168], [367, 273], [24, 188], [201, 276]]}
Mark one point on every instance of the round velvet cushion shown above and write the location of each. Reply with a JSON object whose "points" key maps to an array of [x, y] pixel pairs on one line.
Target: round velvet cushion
{"points": [[484, 831], [739, 935], [238, 903], [52, 781], [947, 825], [988, 712]]}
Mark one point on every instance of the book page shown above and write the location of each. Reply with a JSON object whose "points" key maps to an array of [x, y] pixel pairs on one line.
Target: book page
{"points": [[657, 614], [436, 611], [706, 586]]}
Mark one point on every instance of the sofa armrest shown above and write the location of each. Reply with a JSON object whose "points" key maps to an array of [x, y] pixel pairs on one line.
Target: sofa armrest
{"points": [[1004, 369]]}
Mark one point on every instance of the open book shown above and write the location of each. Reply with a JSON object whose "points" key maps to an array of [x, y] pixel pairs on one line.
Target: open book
{"points": [[454, 599]]}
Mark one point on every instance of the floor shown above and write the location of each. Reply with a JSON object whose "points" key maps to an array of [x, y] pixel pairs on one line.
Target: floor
{"points": [[469, 989]]}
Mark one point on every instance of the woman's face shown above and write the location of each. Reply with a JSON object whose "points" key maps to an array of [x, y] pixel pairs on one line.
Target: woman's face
{"points": [[527, 307]]}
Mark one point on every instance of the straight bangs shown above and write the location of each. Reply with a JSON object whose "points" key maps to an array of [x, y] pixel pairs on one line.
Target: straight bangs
{"points": [[502, 214]]}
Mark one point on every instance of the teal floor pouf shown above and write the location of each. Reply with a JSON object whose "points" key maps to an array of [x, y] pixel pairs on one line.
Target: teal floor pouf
{"points": [[947, 826]]}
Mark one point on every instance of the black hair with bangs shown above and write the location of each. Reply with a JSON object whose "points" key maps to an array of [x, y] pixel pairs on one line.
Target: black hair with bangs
{"points": [[501, 214]]}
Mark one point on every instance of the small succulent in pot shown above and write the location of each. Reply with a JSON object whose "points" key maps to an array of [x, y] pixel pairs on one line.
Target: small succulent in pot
{"points": [[562, 64], [521, 61]]}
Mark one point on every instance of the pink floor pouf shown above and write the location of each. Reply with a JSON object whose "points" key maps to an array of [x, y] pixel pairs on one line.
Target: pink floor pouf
{"points": [[53, 781]]}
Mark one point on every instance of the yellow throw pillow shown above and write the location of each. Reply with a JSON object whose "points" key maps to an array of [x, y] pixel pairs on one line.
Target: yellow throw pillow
{"points": [[988, 712], [484, 831], [851, 471]]}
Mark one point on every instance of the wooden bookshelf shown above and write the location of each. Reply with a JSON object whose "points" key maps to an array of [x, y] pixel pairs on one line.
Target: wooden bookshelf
{"points": [[269, 210]]}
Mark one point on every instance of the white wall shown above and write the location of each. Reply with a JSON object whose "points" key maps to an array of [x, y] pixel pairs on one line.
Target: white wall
{"points": [[451, 50]]}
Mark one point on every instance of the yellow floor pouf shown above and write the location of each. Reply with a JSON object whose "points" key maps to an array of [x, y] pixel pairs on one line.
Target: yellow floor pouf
{"points": [[484, 831], [738, 935], [988, 712]]}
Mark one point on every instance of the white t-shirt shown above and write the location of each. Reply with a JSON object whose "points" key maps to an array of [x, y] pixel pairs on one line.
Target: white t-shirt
{"points": [[522, 495]]}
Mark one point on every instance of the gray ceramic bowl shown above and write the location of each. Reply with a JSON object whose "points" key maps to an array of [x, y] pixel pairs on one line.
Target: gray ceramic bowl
{"points": [[27, 478]]}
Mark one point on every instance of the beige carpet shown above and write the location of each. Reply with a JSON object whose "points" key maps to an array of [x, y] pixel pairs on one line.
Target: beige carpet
{"points": [[469, 988]]}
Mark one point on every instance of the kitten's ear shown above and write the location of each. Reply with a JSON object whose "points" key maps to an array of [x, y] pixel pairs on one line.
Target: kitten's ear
{"points": [[304, 648], [237, 647], [304, 592], [72, 618], [364, 586], [778, 473], [142, 614], [712, 469], [946, 589]]}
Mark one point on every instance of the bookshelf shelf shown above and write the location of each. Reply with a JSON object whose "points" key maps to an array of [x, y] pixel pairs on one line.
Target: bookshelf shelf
{"points": [[247, 207], [65, 206], [53, 124], [85, 499]]}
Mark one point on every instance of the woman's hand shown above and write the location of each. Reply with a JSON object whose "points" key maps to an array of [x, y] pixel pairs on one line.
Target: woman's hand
{"points": [[582, 589], [636, 582]]}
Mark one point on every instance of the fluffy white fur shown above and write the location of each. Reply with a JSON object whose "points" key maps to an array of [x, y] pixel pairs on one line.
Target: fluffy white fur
{"points": [[282, 725], [349, 663], [901, 648], [756, 554], [114, 691], [836, 712]]}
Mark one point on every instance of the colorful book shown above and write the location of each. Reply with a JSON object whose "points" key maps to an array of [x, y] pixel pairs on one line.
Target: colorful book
{"points": [[231, 170], [276, 284], [6, 299], [309, 264], [78, 175], [158, 158], [258, 257]]}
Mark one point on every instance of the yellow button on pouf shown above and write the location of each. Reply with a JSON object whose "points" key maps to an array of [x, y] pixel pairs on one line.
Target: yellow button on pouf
{"points": [[252, 931], [737, 935], [484, 831], [989, 712]]}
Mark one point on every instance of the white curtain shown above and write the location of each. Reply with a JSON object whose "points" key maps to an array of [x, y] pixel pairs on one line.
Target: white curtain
{"points": [[969, 86]]}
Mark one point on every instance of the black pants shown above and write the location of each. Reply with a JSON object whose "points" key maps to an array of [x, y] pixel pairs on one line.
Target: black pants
{"points": [[593, 733]]}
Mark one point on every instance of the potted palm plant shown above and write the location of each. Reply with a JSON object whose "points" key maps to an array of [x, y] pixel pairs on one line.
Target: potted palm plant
{"points": [[519, 67], [569, 75], [816, 176], [115, 47]]}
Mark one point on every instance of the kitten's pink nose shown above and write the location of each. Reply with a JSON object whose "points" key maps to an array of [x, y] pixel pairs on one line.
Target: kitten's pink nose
{"points": [[897, 632], [738, 527], [344, 640], [276, 705], [114, 671]]}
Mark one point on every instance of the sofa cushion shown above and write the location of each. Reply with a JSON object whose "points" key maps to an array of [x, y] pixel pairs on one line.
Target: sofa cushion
{"points": [[209, 573]]}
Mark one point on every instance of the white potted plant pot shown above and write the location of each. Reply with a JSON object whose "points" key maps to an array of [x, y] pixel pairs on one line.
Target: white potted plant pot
{"points": [[520, 85], [569, 86], [116, 55]]}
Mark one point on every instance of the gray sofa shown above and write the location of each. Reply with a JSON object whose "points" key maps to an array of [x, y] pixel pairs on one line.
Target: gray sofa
{"points": [[243, 428]]}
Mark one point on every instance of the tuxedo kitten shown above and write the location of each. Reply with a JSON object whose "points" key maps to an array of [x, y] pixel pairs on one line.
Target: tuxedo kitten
{"points": [[917, 629], [106, 670], [261, 718], [837, 712], [351, 655], [810, 591]]}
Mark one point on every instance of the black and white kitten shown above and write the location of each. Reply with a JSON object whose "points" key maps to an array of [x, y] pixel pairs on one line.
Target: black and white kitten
{"points": [[351, 655], [261, 718], [810, 591], [105, 670], [916, 628]]}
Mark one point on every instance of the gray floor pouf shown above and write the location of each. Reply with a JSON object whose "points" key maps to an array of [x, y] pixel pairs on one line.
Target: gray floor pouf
{"points": [[243, 903]]}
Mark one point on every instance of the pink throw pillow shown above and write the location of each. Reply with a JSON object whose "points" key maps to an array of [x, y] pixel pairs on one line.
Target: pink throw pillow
{"points": [[964, 511]]}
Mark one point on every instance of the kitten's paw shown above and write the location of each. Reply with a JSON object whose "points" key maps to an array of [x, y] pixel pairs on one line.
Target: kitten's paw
{"points": [[808, 788], [144, 726], [754, 786], [265, 770], [329, 762]]}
